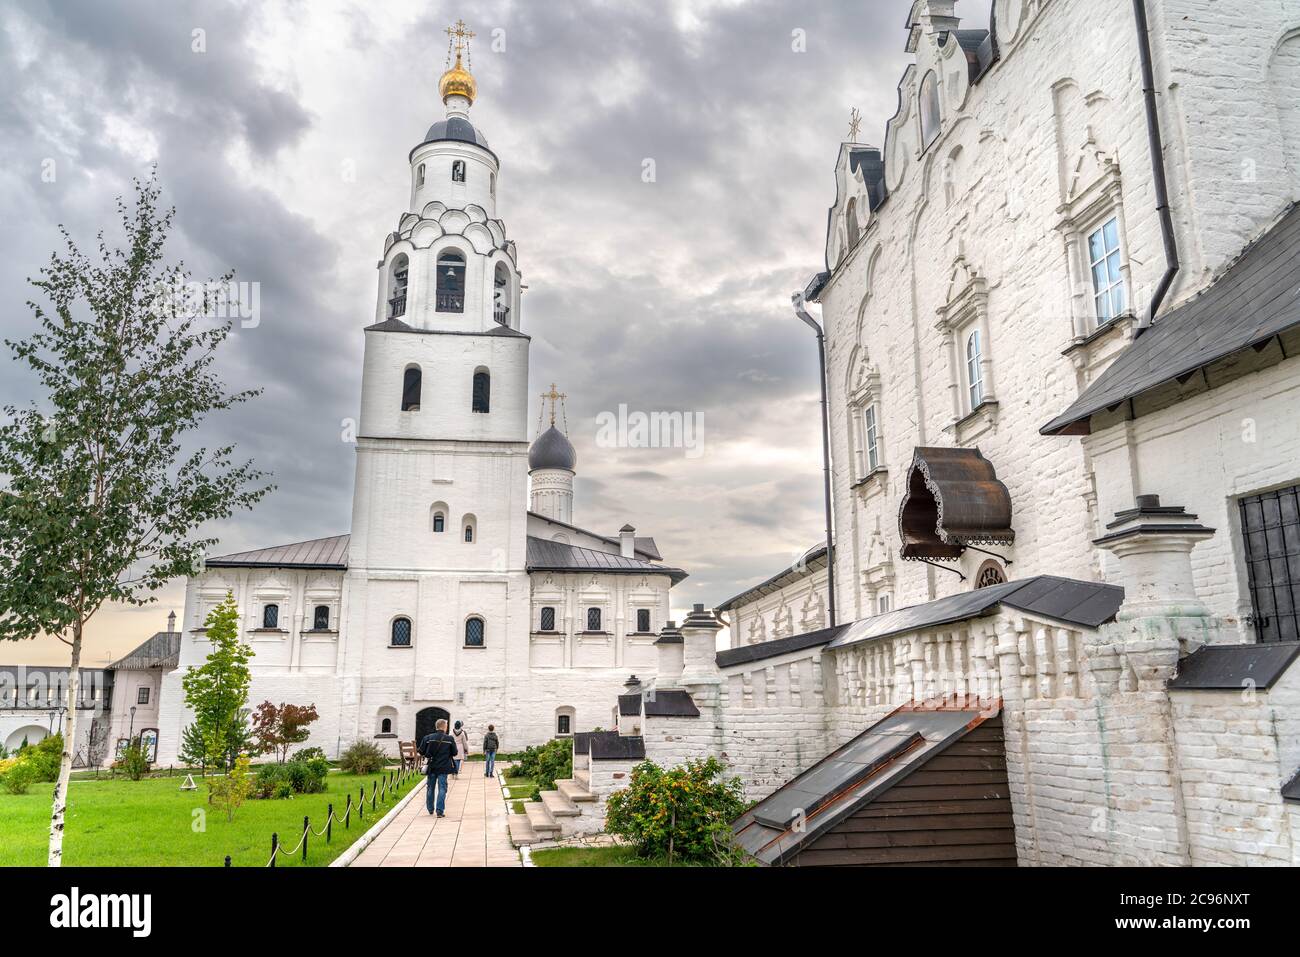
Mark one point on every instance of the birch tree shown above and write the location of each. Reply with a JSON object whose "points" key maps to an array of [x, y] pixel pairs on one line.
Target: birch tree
{"points": [[103, 493]]}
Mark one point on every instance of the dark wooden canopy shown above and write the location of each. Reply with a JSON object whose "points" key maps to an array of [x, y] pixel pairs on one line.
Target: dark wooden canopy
{"points": [[953, 499]]}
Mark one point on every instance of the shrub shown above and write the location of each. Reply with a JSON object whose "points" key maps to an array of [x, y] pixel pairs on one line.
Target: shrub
{"points": [[308, 754], [290, 778], [17, 775], [134, 762], [44, 757], [545, 764], [229, 791], [363, 757], [682, 813]]}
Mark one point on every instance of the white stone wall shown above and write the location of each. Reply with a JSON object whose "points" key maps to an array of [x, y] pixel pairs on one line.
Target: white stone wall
{"points": [[984, 226], [796, 607]]}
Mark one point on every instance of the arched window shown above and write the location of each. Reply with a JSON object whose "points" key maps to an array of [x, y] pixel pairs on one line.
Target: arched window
{"points": [[548, 619], [397, 277], [990, 573], [411, 382], [974, 370], [474, 633], [321, 618], [458, 171], [419, 176], [593, 619], [270, 616], [929, 109], [501, 294], [450, 295], [386, 726], [564, 720], [468, 528], [851, 221], [469, 533], [400, 636], [482, 391], [439, 522]]}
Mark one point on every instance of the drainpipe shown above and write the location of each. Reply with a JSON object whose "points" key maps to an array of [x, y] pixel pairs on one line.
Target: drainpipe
{"points": [[1157, 169], [802, 313]]}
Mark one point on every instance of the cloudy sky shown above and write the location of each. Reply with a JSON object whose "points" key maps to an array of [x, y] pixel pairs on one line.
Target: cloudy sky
{"points": [[282, 142]]}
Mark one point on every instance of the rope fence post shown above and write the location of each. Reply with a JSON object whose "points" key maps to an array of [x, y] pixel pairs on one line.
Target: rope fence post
{"points": [[374, 793], [329, 824], [347, 814], [306, 830], [275, 846], [227, 860]]}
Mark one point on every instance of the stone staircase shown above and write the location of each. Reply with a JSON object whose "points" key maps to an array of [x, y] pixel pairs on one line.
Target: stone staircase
{"points": [[569, 810]]}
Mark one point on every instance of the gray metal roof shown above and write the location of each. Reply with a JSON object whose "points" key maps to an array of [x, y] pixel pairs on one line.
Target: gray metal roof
{"points": [[458, 129], [810, 561], [1233, 667], [1257, 298], [777, 646], [545, 555], [552, 450], [629, 705], [611, 746], [1087, 604], [847, 779], [670, 703], [1291, 790], [397, 325], [643, 544], [162, 650], [318, 553]]}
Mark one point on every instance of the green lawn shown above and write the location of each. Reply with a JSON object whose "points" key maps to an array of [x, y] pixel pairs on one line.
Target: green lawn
{"points": [[122, 823], [616, 856]]}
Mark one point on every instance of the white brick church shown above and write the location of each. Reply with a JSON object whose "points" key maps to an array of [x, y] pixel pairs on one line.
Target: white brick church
{"points": [[459, 593]]}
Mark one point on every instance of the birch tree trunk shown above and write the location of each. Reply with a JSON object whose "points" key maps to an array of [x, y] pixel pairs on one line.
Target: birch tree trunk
{"points": [[65, 761]]}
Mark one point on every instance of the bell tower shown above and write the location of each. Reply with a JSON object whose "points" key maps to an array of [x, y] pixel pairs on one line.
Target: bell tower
{"points": [[439, 518]]}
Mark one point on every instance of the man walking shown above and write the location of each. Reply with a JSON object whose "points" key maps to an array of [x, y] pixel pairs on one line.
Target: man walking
{"points": [[440, 750], [490, 744]]}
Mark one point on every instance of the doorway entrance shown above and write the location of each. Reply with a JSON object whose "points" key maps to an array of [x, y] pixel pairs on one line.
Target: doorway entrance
{"points": [[424, 721]]}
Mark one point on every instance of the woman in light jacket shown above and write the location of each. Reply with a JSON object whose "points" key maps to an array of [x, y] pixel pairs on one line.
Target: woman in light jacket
{"points": [[462, 745]]}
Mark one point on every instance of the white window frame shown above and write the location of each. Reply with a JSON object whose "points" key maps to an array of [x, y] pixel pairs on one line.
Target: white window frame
{"points": [[1116, 278], [871, 437], [973, 368]]}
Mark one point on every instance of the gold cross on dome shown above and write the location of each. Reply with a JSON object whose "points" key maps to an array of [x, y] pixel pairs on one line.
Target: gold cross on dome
{"points": [[855, 124], [461, 34], [554, 397]]}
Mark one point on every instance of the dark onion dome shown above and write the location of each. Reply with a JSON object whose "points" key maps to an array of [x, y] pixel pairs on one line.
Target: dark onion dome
{"points": [[552, 450], [455, 128]]}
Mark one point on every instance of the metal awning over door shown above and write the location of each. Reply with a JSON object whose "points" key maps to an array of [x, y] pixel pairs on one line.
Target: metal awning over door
{"points": [[953, 500]]}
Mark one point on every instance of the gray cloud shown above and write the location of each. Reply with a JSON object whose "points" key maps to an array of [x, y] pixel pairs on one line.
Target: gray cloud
{"points": [[284, 149]]}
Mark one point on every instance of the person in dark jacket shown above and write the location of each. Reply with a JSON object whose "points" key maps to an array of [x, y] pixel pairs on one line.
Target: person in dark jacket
{"points": [[490, 744], [440, 750]]}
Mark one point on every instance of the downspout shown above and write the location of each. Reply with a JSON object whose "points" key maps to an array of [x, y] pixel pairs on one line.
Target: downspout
{"points": [[1156, 147], [822, 373]]}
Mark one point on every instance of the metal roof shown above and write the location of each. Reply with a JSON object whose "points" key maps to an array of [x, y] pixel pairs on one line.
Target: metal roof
{"points": [[670, 703], [552, 450], [848, 778], [1233, 667], [1086, 604], [629, 704], [455, 128], [317, 553], [643, 544], [545, 555], [162, 650], [953, 498], [397, 325], [777, 646], [810, 561], [1255, 299], [611, 746], [1291, 790]]}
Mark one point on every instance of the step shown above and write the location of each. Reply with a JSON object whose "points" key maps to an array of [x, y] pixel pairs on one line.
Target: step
{"points": [[575, 791], [559, 805], [521, 832], [540, 820], [582, 776]]}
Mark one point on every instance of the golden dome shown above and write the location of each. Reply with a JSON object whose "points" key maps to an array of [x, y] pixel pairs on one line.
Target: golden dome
{"points": [[458, 81]]}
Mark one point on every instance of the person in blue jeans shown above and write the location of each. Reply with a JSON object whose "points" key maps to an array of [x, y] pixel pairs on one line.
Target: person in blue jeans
{"points": [[440, 750], [490, 744]]}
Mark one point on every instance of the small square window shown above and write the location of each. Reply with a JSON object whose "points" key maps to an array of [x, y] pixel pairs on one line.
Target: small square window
{"points": [[548, 619], [271, 616], [643, 620], [562, 725], [321, 618], [142, 696], [593, 619]]}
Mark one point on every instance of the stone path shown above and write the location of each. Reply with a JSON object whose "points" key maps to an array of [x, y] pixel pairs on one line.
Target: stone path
{"points": [[473, 834]]}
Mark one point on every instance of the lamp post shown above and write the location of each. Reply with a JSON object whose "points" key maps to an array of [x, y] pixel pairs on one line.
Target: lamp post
{"points": [[131, 728], [812, 323]]}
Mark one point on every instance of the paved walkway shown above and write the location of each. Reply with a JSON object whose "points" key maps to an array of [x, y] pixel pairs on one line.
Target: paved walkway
{"points": [[473, 834]]}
